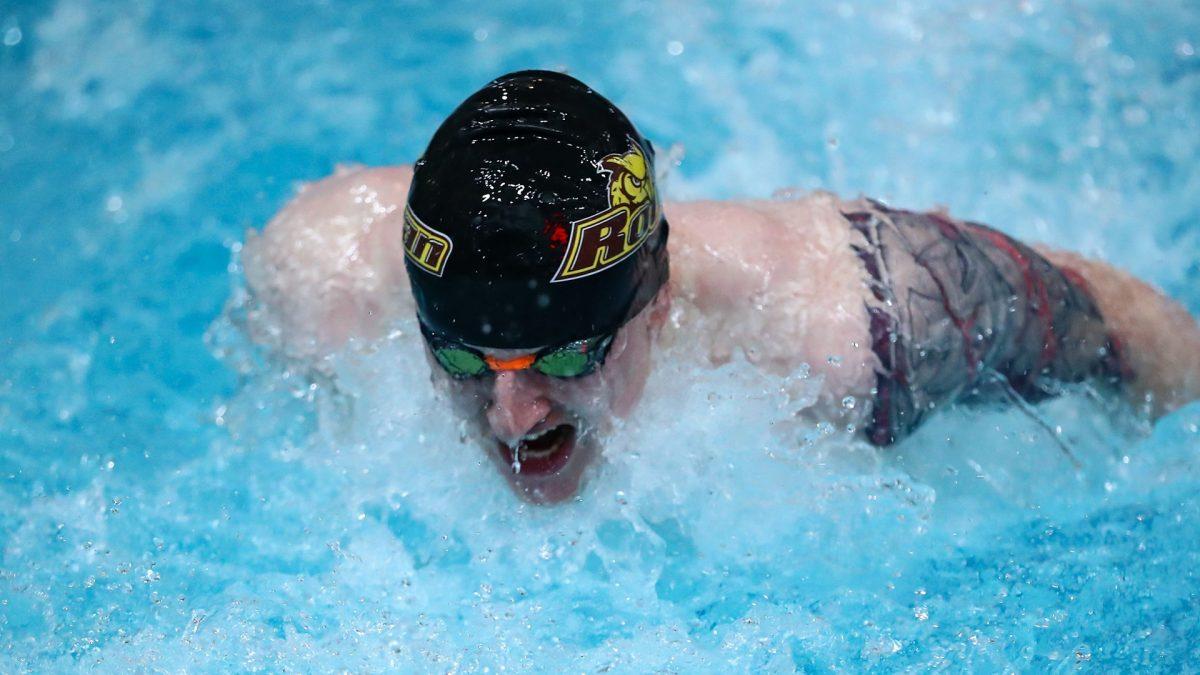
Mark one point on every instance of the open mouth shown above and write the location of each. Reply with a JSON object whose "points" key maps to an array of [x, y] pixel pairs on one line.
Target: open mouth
{"points": [[543, 453]]}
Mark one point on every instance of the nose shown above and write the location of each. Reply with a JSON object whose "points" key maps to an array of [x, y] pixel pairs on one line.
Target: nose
{"points": [[517, 406]]}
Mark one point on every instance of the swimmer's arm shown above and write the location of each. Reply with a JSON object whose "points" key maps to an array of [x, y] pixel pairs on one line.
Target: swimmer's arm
{"points": [[1160, 340], [329, 266]]}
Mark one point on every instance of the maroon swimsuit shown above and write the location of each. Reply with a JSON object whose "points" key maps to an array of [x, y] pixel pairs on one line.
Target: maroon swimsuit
{"points": [[960, 303]]}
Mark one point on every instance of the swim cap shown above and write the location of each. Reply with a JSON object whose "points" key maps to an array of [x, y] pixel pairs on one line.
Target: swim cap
{"points": [[533, 219]]}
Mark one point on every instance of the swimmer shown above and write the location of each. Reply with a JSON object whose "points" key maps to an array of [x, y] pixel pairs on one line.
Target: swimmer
{"points": [[531, 242]]}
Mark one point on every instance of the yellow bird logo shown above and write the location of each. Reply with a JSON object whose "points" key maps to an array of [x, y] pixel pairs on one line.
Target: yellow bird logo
{"points": [[628, 183]]}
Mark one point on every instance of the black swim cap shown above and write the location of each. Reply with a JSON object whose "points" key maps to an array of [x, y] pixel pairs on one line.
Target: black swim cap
{"points": [[533, 219]]}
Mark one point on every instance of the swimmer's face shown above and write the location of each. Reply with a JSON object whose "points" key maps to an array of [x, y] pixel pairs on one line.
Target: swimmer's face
{"points": [[541, 431]]}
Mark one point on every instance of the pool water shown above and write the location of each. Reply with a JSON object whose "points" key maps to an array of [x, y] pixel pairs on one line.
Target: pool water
{"points": [[171, 497]]}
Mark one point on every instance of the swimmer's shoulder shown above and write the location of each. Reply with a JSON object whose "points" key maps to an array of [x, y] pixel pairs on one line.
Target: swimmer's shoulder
{"points": [[329, 265], [748, 243], [761, 226], [352, 199], [779, 281]]}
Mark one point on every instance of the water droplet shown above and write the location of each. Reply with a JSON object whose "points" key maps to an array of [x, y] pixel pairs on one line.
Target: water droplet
{"points": [[848, 402], [674, 47], [12, 37]]}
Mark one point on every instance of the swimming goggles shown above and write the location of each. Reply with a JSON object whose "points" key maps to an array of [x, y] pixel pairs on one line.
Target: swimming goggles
{"points": [[574, 359]]}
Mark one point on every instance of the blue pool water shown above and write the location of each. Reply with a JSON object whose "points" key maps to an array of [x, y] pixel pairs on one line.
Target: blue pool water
{"points": [[170, 498]]}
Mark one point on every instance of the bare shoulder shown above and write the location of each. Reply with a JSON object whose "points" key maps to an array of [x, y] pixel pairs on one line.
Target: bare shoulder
{"points": [[329, 265], [778, 280]]}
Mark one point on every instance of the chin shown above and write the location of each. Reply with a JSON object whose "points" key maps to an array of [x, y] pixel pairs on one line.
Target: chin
{"points": [[547, 465]]}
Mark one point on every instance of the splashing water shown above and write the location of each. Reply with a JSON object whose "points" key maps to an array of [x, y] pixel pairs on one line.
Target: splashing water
{"points": [[160, 508]]}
